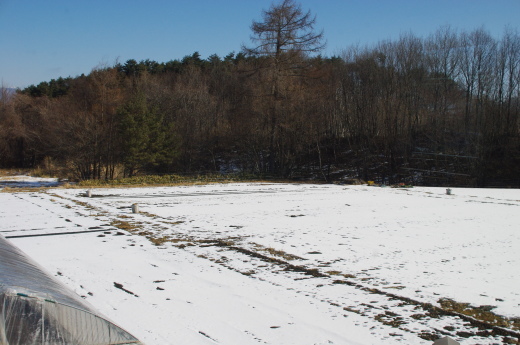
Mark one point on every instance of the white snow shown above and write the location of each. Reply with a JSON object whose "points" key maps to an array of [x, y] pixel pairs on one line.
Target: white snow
{"points": [[27, 181], [203, 286]]}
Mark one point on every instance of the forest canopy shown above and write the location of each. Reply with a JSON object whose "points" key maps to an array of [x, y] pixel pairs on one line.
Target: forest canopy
{"points": [[436, 110]]}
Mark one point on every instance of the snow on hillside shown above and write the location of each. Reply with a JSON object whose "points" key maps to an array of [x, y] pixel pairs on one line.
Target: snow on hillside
{"points": [[257, 263]]}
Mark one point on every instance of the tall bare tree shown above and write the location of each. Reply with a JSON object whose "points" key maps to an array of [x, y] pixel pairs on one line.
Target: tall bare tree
{"points": [[285, 29], [283, 38]]}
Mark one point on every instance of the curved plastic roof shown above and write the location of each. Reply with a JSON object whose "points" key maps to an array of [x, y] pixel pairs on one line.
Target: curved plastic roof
{"points": [[35, 308]]}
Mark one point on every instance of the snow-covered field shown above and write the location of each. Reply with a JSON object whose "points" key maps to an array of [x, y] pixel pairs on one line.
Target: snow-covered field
{"points": [[258, 263]]}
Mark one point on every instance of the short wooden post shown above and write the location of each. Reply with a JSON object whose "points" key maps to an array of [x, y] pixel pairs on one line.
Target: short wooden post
{"points": [[445, 341], [135, 208], [448, 191]]}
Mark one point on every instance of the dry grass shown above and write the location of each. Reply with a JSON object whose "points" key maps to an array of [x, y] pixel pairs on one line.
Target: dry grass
{"points": [[482, 313], [333, 273], [166, 180], [275, 252], [13, 172], [159, 241], [23, 189], [127, 226]]}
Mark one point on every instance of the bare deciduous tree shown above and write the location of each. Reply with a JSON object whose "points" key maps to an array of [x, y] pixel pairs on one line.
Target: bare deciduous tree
{"points": [[285, 29], [283, 38]]}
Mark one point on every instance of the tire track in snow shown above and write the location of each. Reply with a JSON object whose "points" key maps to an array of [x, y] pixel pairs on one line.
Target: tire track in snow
{"points": [[388, 308], [40, 199]]}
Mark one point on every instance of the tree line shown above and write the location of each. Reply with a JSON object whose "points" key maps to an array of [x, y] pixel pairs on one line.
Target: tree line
{"points": [[438, 110]]}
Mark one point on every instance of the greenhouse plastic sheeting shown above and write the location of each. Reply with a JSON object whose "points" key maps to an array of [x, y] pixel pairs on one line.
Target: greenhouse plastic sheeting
{"points": [[37, 309]]}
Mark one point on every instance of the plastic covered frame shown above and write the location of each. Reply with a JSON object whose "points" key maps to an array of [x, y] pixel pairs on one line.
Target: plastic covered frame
{"points": [[36, 309]]}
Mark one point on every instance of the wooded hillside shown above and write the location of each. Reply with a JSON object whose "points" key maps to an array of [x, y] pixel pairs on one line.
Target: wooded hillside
{"points": [[437, 110]]}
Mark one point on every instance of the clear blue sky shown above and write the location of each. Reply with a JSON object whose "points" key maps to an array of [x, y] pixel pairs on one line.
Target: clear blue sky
{"points": [[45, 39]]}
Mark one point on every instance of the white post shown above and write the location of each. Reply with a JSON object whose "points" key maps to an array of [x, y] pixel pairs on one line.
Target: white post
{"points": [[135, 208], [446, 341], [89, 193]]}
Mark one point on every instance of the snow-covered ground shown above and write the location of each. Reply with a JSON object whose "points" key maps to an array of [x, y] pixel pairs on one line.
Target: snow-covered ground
{"points": [[259, 263], [18, 181]]}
